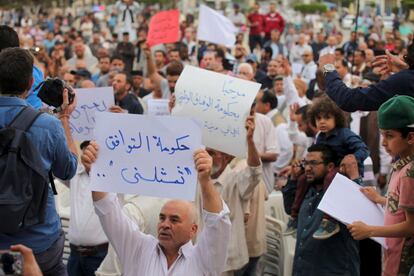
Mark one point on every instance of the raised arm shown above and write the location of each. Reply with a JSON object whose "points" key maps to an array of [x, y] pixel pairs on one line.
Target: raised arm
{"points": [[211, 198], [211, 247], [89, 156], [125, 236], [364, 99], [253, 157], [65, 162], [250, 177], [64, 115], [152, 70]]}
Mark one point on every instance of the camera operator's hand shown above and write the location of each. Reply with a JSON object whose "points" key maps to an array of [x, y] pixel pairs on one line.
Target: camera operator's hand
{"points": [[30, 266], [63, 115], [66, 108]]}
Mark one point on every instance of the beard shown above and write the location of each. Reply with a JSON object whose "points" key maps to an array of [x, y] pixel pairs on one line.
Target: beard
{"points": [[214, 171]]}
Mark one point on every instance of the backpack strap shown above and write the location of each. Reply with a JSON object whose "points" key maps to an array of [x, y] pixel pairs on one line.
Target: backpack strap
{"points": [[25, 118], [52, 183], [23, 121]]}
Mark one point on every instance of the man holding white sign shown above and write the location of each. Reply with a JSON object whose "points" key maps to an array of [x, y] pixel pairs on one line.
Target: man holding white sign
{"points": [[337, 255], [173, 252], [124, 99], [152, 158], [236, 179]]}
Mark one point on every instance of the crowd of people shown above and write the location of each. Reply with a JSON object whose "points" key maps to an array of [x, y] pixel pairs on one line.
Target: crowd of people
{"points": [[328, 104]]}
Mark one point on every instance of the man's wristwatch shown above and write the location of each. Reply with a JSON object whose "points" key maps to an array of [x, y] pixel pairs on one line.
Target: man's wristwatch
{"points": [[327, 68]]}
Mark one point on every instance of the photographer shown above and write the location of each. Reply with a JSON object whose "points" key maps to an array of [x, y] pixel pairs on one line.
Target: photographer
{"points": [[52, 139]]}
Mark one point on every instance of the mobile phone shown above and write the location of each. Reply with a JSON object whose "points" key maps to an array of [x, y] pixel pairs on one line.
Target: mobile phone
{"points": [[11, 263], [379, 52]]}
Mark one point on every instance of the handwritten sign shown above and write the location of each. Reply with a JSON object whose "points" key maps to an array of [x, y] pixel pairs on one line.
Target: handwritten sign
{"points": [[90, 102], [355, 206], [158, 107], [146, 155], [220, 104], [164, 28]]}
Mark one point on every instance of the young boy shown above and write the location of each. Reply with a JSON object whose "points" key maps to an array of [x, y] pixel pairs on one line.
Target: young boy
{"points": [[396, 123]]}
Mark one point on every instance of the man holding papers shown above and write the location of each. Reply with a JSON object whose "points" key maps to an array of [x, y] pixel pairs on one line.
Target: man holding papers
{"points": [[173, 252], [337, 255]]}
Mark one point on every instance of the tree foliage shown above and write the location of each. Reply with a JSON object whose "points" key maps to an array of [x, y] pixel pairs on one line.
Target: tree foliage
{"points": [[311, 8]]}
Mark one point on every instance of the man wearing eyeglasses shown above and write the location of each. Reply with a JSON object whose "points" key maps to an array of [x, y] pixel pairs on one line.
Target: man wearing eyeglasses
{"points": [[337, 255]]}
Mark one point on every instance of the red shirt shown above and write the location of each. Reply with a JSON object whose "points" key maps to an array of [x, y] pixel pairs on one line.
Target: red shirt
{"points": [[257, 22], [274, 21]]}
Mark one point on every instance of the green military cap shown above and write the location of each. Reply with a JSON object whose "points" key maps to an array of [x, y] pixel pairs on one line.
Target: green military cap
{"points": [[397, 112]]}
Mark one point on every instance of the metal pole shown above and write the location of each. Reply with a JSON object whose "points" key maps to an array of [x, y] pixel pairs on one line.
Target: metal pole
{"points": [[356, 32]]}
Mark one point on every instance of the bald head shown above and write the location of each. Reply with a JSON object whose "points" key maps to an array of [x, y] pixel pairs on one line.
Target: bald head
{"points": [[245, 71], [307, 56], [177, 224], [186, 206], [87, 84]]}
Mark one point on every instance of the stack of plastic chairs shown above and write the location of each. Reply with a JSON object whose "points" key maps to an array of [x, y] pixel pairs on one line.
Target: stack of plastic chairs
{"points": [[271, 263], [275, 210]]}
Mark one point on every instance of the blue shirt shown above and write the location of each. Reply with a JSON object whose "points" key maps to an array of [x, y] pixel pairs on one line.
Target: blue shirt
{"points": [[48, 137], [338, 255], [33, 99], [370, 98], [343, 141]]}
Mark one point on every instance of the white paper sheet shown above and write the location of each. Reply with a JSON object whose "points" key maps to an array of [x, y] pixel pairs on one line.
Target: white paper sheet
{"points": [[158, 107], [344, 201], [146, 155]]}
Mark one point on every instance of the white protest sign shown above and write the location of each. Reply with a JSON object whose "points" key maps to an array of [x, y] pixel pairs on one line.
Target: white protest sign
{"points": [[158, 107], [344, 201], [146, 155], [220, 104], [89, 102]]}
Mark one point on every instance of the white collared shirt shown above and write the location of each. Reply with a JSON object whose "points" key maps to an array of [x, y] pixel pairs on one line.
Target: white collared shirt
{"points": [[308, 72], [84, 225], [140, 254], [266, 142], [285, 143], [236, 185]]}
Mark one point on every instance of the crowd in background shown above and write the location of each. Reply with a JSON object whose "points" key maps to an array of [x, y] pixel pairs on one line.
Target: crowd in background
{"points": [[293, 119]]}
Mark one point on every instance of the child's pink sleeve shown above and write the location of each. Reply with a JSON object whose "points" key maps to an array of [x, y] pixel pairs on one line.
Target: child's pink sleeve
{"points": [[407, 191]]}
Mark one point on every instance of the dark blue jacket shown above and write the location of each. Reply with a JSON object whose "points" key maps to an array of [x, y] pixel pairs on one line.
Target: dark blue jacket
{"points": [[337, 255], [343, 142], [370, 98]]}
